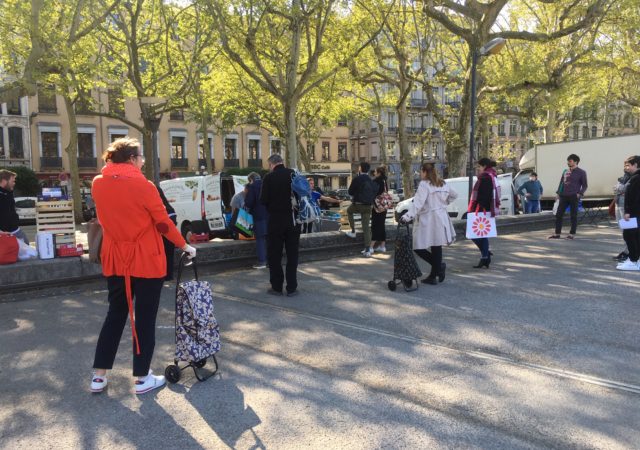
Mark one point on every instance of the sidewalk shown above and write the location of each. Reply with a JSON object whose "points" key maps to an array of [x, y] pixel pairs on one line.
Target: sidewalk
{"points": [[228, 254], [540, 351]]}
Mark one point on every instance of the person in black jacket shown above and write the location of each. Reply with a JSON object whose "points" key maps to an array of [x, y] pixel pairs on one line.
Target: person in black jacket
{"points": [[362, 205], [9, 220], [169, 247], [260, 216], [282, 229], [632, 209]]}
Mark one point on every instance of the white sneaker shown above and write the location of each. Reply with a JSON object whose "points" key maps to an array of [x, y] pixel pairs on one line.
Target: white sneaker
{"points": [[98, 383], [628, 265], [150, 383], [367, 253], [350, 234], [260, 266], [623, 262], [381, 249]]}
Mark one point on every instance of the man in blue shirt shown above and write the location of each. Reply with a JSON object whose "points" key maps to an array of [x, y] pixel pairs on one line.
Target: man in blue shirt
{"points": [[533, 190]]}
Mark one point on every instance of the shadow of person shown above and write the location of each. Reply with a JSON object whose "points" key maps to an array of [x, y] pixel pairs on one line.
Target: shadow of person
{"points": [[221, 404]]}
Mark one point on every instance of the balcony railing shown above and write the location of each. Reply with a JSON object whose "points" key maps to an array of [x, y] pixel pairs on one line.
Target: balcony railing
{"points": [[51, 162], [392, 129], [254, 162], [419, 102], [179, 163], [231, 163], [416, 130], [88, 163]]}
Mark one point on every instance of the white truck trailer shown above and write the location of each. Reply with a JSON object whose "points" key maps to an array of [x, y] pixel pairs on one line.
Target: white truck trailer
{"points": [[602, 159]]}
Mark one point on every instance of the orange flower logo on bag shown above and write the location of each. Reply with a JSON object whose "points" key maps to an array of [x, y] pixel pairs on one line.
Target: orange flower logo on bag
{"points": [[481, 226]]}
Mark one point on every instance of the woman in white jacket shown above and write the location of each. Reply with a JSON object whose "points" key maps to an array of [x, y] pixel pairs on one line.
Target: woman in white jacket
{"points": [[432, 227]]}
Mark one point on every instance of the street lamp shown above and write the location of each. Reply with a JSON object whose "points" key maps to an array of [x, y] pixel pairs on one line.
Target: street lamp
{"points": [[490, 48]]}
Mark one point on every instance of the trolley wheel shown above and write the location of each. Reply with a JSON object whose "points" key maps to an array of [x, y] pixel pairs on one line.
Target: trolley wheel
{"points": [[172, 373], [391, 285], [200, 364]]}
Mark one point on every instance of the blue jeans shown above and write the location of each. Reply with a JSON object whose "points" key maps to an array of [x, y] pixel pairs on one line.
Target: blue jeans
{"points": [[260, 232], [483, 245], [532, 206]]}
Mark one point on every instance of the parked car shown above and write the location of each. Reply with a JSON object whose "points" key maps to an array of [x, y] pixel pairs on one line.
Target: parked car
{"points": [[26, 208]]}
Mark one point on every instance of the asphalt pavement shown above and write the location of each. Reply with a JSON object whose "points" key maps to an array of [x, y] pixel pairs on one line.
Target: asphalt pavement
{"points": [[539, 351]]}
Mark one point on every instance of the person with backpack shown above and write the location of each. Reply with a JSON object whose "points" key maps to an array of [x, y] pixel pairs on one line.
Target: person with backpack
{"points": [[283, 230], [363, 192]]}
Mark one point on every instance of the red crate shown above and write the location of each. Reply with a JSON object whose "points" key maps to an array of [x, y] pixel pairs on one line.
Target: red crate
{"points": [[68, 250]]}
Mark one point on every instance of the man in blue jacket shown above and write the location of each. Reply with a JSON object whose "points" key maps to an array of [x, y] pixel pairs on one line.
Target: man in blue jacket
{"points": [[533, 189]]}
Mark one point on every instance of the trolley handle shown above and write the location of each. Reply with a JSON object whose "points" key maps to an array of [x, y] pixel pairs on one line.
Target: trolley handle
{"points": [[402, 224], [186, 262]]}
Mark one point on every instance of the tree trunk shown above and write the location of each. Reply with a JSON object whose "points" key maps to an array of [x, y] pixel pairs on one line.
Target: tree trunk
{"points": [[406, 159], [147, 142], [483, 125], [382, 139], [291, 145], [550, 129], [207, 153], [72, 152]]}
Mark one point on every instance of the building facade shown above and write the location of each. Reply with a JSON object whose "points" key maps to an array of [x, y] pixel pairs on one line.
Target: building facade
{"points": [[15, 138], [36, 132]]}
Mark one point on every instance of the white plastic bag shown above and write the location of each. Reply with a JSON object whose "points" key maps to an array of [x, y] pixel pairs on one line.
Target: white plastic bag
{"points": [[555, 207], [26, 251]]}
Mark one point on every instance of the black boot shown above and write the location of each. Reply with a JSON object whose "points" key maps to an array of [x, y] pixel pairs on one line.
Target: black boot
{"points": [[441, 274], [484, 262], [431, 279]]}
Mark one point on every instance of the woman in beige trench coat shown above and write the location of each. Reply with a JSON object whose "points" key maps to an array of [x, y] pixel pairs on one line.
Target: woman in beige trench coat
{"points": [[432, 227]]}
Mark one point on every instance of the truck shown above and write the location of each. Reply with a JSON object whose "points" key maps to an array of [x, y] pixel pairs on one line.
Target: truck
{"points": [[201, 202], [602, 158]]}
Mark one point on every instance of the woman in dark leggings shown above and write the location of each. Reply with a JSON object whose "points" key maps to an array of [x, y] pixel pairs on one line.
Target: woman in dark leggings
{"points": [[485, 197], [378, 233]]}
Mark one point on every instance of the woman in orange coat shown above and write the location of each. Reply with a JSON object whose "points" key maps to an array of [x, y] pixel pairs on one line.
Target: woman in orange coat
{"points": [[133, 220]]}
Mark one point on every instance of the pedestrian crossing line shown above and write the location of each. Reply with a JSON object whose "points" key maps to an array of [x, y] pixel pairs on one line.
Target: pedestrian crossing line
{"points": [[561, 373]]}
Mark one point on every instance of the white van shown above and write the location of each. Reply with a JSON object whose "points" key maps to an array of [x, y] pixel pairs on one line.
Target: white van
{"points": [[458, 209], [200, 202]]}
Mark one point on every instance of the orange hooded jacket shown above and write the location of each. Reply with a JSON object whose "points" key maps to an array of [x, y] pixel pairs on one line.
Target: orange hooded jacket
{"points": [[133, 218]]}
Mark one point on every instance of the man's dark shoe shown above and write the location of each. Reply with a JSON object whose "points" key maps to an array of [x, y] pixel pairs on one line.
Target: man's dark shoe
{"points": [[292, 294], [272, 291], [554, 236]]}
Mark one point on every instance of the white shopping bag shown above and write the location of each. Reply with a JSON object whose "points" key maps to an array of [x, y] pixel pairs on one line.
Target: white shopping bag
{"points": [[44, 243], [481, 225], [556, 204], [628, 224]]}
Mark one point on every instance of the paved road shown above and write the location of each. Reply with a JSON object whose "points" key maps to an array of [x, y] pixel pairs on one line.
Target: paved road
{"points": [[540, 351]]}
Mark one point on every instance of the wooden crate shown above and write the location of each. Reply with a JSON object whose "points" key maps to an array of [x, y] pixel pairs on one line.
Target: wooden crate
{"points": [[56, 217]]}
